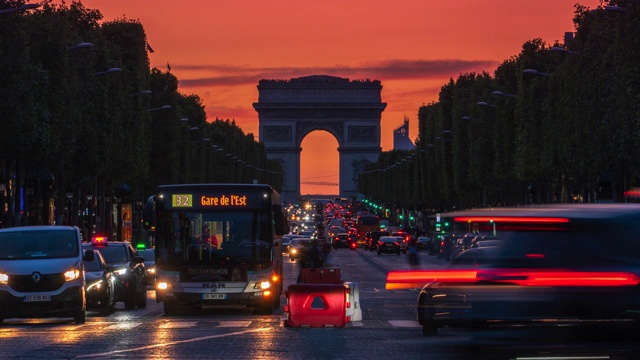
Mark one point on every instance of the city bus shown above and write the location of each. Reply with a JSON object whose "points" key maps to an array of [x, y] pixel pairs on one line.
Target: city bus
{"points": [[217, 245], [366, 223]]}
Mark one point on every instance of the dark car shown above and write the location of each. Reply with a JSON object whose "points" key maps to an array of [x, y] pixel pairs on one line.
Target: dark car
{"points": [[372, 237], [297, 246], [129, 270], [99, 285], [554, 265], [149, 256], [424, 243], [388, 245], [342, 240]]}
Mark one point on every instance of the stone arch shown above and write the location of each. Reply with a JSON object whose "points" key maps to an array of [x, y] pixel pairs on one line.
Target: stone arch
{"points": [[350, 110]]}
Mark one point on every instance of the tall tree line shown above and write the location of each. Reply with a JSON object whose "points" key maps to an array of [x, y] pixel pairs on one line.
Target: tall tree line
{"points": [[557, 122], [83, 113]]}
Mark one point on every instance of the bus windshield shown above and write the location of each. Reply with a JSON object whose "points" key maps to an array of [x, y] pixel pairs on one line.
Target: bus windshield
{"points": [[224, 237]]}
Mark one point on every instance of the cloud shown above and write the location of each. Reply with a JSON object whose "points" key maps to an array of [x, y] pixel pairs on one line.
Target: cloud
{"points": [[395, 69]]}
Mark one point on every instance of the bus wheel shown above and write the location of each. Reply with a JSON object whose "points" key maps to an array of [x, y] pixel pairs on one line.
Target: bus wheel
{"points": [[170, 307], [265, 308]]}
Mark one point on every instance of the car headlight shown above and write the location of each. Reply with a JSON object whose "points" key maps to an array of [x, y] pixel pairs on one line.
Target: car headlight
{"points": [[151, 270], [71, 274], [95, 286], [4, 279], [293, 251]]}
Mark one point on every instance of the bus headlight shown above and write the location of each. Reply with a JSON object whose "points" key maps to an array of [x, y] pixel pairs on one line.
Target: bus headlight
{"points": [[262, 285]]}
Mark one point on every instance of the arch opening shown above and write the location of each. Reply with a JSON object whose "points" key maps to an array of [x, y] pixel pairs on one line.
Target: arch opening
{"points": [[319, 164]]}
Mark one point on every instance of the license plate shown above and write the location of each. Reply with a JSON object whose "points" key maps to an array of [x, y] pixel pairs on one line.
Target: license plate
{"points": [[32, 298], [214, 296]]}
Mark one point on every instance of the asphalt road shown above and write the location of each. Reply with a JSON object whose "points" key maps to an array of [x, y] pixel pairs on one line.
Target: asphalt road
{"points": [[388, 330]]}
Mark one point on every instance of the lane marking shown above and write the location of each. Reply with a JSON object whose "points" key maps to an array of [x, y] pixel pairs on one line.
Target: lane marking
{"points": [[234, 323], [405, 323], [171, 343], [177, 324]]}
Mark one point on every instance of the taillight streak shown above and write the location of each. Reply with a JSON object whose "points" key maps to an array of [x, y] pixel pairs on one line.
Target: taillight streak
{"points": [[408, 279]]}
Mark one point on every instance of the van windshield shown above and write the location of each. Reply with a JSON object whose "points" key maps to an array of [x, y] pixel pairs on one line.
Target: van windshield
{"points": [[38, 244]]}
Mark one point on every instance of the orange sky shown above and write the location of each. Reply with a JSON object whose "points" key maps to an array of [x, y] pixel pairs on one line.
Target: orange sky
{"points": [[221, 49]]}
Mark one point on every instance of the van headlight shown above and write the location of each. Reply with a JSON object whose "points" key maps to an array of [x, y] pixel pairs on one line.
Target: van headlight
{"points": [[71, 274]]}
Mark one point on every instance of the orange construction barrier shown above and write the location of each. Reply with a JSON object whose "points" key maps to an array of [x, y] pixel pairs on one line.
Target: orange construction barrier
{"points": [[321, 276], [316, 305]]}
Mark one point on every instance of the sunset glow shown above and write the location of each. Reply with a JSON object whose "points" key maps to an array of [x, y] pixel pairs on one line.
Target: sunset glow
{"points": [[220, 50]]}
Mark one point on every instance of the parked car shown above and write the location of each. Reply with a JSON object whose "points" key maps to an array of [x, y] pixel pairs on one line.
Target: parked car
{"points": [[99, 286], [388, 245], [130, 274], [372, 237], [149, 256], [570, 264]]}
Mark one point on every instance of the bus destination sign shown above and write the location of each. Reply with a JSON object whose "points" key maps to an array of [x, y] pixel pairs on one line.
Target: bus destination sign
{"points": [[209, 201]]}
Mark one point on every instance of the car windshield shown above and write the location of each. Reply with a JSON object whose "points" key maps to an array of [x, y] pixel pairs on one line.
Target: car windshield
{"points": [[114, 254], [148, 254]]}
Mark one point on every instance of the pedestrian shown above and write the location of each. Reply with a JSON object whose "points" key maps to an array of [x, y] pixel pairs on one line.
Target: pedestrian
{"points": [[413, 253], [310, 258]]}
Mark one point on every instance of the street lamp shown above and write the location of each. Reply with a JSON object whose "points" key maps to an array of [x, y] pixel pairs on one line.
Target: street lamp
{"points": [[500, 93], [615, 8], [163, 107], [80, 46], [143, 92], [108, 71], [482, 103], [536, 72], [560, 49], [19, 8]]}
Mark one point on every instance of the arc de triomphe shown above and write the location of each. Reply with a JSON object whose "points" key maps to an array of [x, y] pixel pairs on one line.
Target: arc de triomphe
{"points": [[288, 110]]}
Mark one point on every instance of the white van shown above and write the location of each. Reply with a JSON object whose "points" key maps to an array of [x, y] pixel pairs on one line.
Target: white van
{"points": [[42, 273]]}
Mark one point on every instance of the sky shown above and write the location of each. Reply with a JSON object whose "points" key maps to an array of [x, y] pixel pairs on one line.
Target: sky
{"points": [[220, 50]]}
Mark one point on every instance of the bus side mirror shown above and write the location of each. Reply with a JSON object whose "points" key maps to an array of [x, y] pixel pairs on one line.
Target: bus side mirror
{"points": [[148, 213], [278, 219]]}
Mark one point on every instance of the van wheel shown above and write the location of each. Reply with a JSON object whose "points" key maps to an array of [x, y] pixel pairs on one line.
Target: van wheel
{"points": [[80, 317]]}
